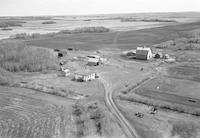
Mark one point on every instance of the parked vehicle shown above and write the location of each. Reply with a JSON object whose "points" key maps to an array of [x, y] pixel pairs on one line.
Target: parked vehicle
{"points": [[153, 110], [138, 114]]}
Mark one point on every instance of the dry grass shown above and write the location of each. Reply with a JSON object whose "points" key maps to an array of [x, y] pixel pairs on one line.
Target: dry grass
{"points": [[187, 56], [184, 130], [161, 104], [175, 90], [28, 116], [188, 71]]}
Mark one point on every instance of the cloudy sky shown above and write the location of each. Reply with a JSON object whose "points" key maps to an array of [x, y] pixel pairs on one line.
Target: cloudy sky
{"points": [[70, 7]]}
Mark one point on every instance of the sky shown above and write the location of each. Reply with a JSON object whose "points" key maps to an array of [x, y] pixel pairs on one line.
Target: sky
{"points": [[79, 7]]}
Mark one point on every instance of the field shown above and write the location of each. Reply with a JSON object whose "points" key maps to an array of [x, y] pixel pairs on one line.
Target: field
{"points": [[188, 71], [178, 86], [175, 92], [23, 115], [35, 113], [27, 113], [162, 124], [122, 40]]}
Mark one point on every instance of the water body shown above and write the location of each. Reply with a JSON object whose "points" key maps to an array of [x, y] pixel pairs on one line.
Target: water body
{"points": [[64, 23]]}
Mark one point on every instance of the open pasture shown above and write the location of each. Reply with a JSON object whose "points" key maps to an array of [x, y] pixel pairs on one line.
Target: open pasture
{"points": [[188, 71], [180, 85], [121, 39]]}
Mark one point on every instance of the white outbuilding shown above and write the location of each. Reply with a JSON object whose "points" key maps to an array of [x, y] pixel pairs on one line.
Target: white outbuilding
{"points": [[84, 76]]}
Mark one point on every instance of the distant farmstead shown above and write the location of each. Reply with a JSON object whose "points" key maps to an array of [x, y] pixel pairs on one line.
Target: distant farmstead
{"points": [[143, 53], [85, 76]]}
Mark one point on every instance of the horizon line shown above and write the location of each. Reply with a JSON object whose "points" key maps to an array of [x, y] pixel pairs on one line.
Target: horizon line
{"points": [[164, 12]]}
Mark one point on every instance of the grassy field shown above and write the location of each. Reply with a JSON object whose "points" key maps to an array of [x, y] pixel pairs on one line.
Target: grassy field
{"points": [[188, 71], [163, 124], [177, 89], [187, 56], [184, 130], [122, 40], [38, 109], [31, 116], [27, 113]]}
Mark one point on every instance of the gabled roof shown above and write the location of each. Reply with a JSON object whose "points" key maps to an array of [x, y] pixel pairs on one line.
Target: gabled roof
{"points": [[143, 50], [93, 56]]}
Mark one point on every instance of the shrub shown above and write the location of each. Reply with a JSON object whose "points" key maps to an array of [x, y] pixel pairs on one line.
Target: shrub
{"points": [[97, 29], [25, 36], [165, 45], [4, 77], [21, 36], [48, 22], [26, 58], [11, 23], [181, 44]]}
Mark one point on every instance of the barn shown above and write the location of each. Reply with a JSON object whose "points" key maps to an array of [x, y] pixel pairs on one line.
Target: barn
{"points": [[143, 53]]}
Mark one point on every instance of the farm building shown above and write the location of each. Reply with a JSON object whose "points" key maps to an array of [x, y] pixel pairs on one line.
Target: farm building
{"points": [[84, 76], [65, 70], [158, 55], [166, 56], [143, 53], [59, 53], [93, 62]]}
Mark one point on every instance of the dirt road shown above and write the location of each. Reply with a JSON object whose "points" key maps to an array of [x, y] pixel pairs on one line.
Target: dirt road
{"points": [[128, 129]]}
